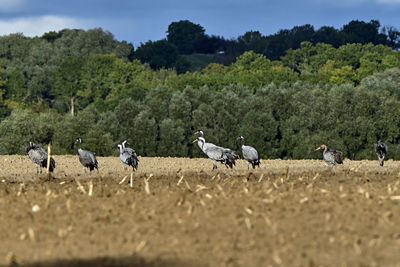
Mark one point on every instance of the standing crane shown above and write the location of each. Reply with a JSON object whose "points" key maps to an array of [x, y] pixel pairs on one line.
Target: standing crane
{"points": [[331, 156], [250, 154], [229, 155], [39, 157], [381, 150], [128, 156], [86, 157], [216, 153]]}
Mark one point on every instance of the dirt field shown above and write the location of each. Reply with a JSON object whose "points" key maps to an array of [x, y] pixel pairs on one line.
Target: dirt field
{"points": [[180, 213]]}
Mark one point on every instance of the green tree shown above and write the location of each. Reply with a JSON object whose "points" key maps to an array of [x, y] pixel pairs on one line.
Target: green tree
{"points": [[182, 65], [125, 114], [252, 40], [84, 44], [16, 131], [66, 132], [172, 139], [99, 140], [184, 34], [157, 102], [16, 86], [97, 80], [158, 54], [146, 134], [363, 32], [4, 111], [328, 35], [68, 81]]}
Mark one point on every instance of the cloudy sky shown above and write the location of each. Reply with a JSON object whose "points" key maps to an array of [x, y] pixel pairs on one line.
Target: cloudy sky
{"points": [[139, 21]]}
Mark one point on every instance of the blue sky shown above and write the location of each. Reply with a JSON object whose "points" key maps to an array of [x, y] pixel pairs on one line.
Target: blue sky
{"points": [[140, 21]]}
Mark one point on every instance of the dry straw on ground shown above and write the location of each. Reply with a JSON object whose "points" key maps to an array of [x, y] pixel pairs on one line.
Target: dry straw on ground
{"points": [[177, 212]]}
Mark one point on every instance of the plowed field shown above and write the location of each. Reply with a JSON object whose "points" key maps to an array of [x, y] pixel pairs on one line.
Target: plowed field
{"points": [[180, 213]]}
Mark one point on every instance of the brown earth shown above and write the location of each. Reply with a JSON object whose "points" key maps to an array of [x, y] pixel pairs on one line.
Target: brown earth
{"points": [[180, 213]]}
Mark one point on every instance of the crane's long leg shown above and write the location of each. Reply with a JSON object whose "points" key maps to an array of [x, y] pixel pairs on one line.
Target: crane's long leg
{"points": [[214, 165]]}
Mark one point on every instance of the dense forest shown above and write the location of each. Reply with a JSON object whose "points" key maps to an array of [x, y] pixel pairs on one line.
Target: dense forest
{"points": [[286, 93]]}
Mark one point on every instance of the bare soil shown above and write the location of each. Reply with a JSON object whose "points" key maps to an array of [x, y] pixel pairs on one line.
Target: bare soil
{"points": [[180, 213]]}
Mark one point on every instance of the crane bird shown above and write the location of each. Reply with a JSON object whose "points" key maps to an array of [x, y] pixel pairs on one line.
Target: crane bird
{"points": [[39, 157], [128, 156], [250, 154], [331, 156], [207, 145], [87, 158], [381, 150], [216, 153], [230, 156]]}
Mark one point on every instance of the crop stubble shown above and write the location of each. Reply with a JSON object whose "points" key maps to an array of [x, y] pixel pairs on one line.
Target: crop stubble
{"points": [[180, 213]]}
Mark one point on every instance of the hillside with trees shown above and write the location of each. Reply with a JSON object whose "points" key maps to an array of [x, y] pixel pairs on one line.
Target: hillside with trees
{"points": [[188, 40], [340, 87]]}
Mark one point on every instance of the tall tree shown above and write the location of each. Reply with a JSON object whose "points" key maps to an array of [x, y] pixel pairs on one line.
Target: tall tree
{"points": [[363, 32], [184, 34], [68, 81]]}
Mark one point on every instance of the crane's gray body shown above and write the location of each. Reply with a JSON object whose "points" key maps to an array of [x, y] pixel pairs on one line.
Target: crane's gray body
{"points": [[217, 153], [39, 157], [332, 157], [203, 145], [250, 154], [329, 158], [86, 157], [128, 157]]}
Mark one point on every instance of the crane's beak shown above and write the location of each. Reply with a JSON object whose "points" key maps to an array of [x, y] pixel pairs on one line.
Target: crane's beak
{"points": [[318, 148], [194, 141]]}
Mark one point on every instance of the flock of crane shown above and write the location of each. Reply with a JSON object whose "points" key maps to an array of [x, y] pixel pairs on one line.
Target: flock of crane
{"points": [[216, 153]]}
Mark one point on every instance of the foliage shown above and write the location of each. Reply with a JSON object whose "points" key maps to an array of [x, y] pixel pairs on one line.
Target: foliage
{"points": [[184, 34], [159, 54], [346, 96]]}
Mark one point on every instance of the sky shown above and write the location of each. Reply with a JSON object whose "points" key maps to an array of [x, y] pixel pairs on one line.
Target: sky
{"points": [[139, 21]]}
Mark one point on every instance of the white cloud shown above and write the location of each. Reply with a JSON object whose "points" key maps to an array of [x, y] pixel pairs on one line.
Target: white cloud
{"points": [[36, 26], [11, 5]]}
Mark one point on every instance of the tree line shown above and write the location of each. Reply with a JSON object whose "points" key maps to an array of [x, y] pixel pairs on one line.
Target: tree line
{"points": [[76, 83], [286, 121], [186, 38], [57, 78]]}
